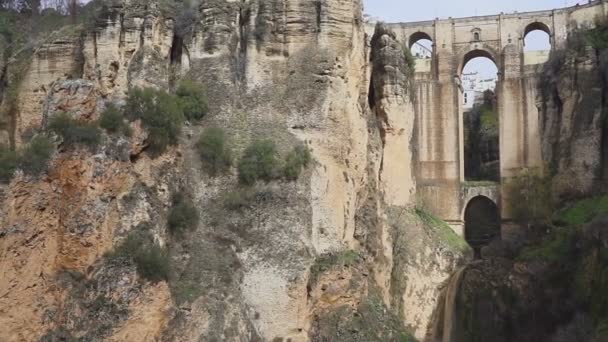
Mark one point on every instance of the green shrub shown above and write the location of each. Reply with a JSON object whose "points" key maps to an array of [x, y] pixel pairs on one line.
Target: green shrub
{"points": [[214, 151], [34, 158], [183, 215], [73, 131], [296, 160], [151, 260], [192, 99], [160, 113], [584, 211], [153, 263], [8, 164], [259, 162], [112, 120]]}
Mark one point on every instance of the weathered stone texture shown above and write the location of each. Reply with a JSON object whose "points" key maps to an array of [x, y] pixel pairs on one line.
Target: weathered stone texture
{"points": [[572, 120]]}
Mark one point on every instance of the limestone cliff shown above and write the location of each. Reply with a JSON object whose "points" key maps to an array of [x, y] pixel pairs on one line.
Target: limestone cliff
{"points": [[281, 69], [572, 116]]}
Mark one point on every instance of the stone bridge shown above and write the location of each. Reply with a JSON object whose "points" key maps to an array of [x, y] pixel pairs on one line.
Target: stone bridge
{"points": [[438, 107]]}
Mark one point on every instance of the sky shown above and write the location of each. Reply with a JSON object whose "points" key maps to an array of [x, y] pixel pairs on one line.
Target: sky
{"points": [[412, 10], [408, 10]]}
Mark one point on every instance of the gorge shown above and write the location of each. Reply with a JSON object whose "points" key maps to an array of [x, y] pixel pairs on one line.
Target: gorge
{"points": [[286, 170]]}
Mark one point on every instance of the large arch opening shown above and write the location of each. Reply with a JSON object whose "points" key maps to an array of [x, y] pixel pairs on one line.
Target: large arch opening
{"points": [[421, 46], [479, 77], [537, 43], [481, 222]]}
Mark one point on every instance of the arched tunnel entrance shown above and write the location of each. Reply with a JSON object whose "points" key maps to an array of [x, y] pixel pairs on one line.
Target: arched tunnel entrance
{"points": [[481, 223]]}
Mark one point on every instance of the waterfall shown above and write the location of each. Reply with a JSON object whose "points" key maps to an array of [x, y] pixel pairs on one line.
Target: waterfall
{"points": [[445, 317]]}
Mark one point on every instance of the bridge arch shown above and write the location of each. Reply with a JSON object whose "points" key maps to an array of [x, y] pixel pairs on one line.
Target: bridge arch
{"points": [[484, 51], [536, 25], [423, 50], [417, 36], [481, 222]]}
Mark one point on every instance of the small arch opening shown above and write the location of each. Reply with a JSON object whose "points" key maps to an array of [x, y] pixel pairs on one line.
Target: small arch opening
{"points": [[481, 119], [537, 43], [476, 36], [421, 46], [481, 223]]}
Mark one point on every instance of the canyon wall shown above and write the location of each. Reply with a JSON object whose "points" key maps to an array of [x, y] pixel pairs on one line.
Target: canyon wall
{"points": [[286, 70]]}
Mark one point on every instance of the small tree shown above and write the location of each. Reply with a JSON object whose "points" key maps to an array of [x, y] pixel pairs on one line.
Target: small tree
{"points": [[8, 164], [183, 215], [34, 159], [296, 160], [192, 99], [160, 113], [259, 162], [214, 151]]}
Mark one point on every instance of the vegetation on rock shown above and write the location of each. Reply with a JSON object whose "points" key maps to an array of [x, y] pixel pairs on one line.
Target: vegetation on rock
{"points": [[34, 158], [259, 162], [183, 215], [192, 99], [443, 231], [139, 247], [160, 113], [214, 151], [112, 120], [583, 211], [73, 131], [296, 161], [8, 164]]}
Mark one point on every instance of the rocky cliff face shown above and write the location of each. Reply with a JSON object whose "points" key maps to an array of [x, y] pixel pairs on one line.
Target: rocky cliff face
{"points": [[572, 110], [271, 270]]}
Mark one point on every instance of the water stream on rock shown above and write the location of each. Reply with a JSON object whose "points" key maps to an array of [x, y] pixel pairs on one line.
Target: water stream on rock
{"points": [[444, 327]]}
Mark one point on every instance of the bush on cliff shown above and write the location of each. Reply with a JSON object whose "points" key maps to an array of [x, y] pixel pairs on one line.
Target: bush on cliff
{"points": [[139, 247], [112, 120], [8, 164], [296, 161], [259, 162], [214, 151], [192, 99], [183, 215], [73, 131], [160, 114], [34, 158]]}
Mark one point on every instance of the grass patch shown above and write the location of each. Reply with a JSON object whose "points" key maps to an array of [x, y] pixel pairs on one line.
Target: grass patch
{"points": [[559, 245], [239, 199], [583, 211], [443, 231]]}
